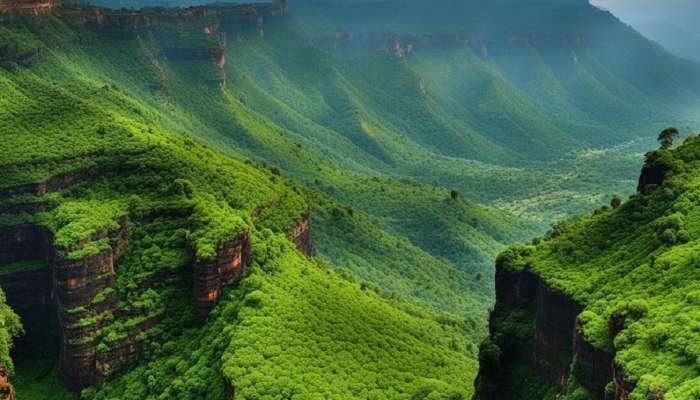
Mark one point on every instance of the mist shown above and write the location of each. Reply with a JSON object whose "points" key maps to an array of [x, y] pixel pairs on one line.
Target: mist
{"points": [[671, 23]]}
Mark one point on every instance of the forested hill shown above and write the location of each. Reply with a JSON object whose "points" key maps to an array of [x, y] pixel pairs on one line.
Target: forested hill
{"points": [[605, 306], [171, 220], [228, 199]]}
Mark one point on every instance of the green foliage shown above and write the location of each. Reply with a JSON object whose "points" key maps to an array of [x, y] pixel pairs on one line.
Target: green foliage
{"points": [[296, 328], [10, 327], [667, 137], [39, 380], [613, 264], [393, 174]]}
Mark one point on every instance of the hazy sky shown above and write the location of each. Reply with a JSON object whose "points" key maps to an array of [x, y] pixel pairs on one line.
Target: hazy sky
{"points": [[684, 13]]}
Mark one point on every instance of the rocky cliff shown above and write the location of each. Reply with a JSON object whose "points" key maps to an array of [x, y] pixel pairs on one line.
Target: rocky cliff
{"points": [[225, 269], [70, 289], [300, 235], [535, 337], [28, 6], [228, 15], [585, 311]]}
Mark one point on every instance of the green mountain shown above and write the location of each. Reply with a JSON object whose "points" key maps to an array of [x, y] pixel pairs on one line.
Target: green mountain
{"points": [[621, 282], [165, 170], [134, 177]]}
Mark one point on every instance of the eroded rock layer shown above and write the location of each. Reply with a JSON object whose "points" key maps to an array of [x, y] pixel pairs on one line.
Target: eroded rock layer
{"points": [[225, 269], [27, 6], [535, 328], [301, 236]]}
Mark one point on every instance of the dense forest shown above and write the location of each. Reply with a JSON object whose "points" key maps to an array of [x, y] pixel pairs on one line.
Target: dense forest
{"points": [[631, 269], [305, 199]]}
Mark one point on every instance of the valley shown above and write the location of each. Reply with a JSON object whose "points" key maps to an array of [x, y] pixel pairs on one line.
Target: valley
{"points": [[300, 200]]}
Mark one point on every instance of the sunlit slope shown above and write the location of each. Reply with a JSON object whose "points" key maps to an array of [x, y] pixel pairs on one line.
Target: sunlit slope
{"points": [[633, 270], [296, 329], [84, 106]]}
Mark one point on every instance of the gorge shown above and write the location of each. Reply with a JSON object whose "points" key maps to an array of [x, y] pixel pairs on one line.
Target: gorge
{"points": [[305, 199]]}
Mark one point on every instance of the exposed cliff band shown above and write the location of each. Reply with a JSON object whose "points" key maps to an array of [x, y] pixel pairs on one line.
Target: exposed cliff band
{"points": [[37, 274]]}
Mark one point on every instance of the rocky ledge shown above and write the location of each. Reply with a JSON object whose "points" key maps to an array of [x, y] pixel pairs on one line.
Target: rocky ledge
{"points": [[535, 328]]}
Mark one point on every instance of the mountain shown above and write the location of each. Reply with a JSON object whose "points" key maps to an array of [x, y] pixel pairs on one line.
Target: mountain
{"points": [[603, 306], [677, 40], [132, 208], [234, 199]]}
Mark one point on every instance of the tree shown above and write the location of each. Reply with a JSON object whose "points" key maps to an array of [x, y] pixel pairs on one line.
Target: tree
{"points": [[615, 202], [667, 136], [454, 194]]}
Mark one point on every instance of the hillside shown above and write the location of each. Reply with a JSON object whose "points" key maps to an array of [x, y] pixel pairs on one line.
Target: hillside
{"points": [[621, 282], [148, 216], [224, 199]]}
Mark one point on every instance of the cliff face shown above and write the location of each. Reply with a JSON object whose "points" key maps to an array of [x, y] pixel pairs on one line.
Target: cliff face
{"points": [[301, 236], [76, 283], [27, 6], [43, 279], [227, 16], [225, 269], [620, 324], [535, 328]]}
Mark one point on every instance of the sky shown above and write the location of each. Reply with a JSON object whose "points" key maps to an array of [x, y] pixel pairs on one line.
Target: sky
{"points": [[683, 13]]}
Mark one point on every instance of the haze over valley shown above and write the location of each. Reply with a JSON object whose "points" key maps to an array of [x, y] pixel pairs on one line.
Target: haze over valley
{"points": [[349, 199]]}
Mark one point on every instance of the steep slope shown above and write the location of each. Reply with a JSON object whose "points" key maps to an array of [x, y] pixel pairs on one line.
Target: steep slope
{"points": [[126, 170], [237, 109], [604, 307]]}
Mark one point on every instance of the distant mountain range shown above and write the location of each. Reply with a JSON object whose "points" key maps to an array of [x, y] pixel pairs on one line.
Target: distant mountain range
{"points": [[677, 40]]}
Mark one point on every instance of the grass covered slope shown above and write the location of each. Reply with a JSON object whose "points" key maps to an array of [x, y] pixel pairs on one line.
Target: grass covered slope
{"points": [[122, 142], [634, 268], [473, 126], [296, 329], [310, 123]]}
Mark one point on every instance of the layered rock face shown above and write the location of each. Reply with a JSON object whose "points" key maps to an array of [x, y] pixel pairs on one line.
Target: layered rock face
{"points": [[27, 6], [57, 285], [226, 15], [404, 45], [185, 36], [76, 283], [229, 265], [537, 328], [301, 236], [225, 269]]}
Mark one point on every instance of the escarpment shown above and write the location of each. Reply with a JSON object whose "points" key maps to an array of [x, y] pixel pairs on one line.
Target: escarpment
{"points": [[28, 6], [184, 35], [535, 337], [600, 307], [228, 266], [225, 269], [90, 296], [403, 46], [301, 236]]}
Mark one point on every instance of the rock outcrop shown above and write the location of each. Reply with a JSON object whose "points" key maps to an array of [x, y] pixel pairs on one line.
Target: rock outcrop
{"points": [[301, 236], [537, 327], [7, 392], [227, 16], [37, 274], [76, 283], [27, 6], [403, 46], [225, 269]]}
